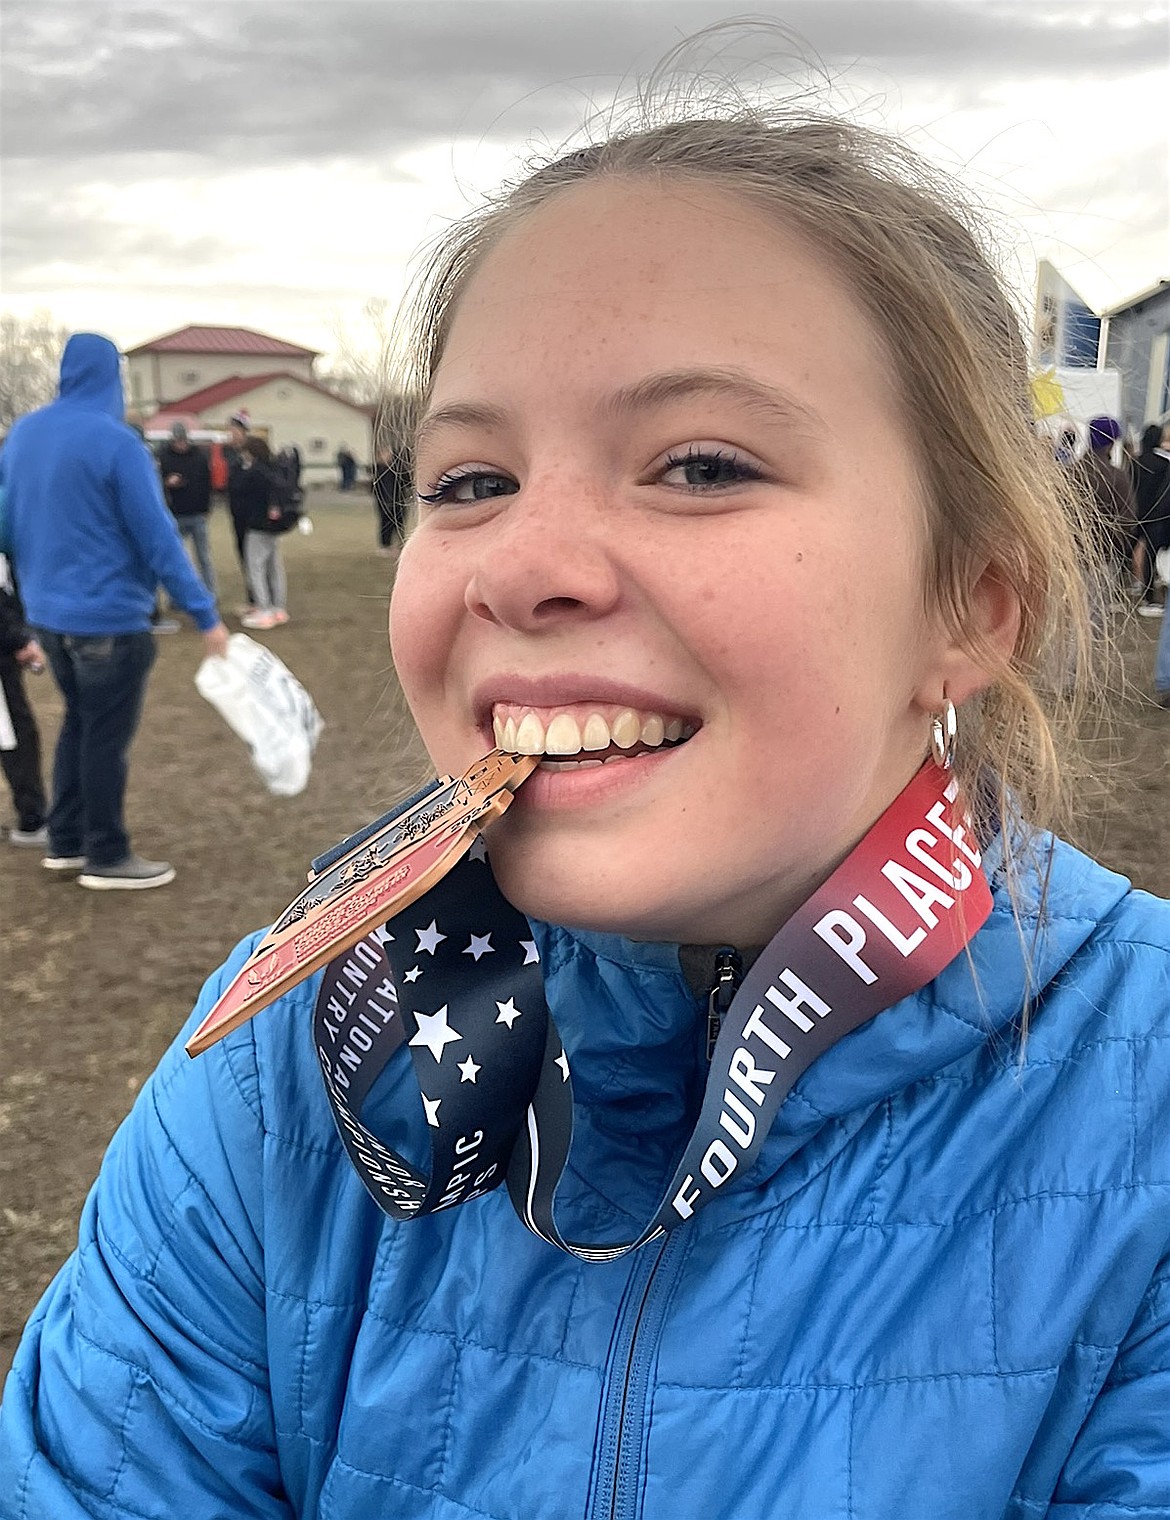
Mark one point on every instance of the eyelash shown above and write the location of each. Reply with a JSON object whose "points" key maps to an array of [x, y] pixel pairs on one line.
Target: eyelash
{"points": [[444, 487], [446, 484], [695, 455]]}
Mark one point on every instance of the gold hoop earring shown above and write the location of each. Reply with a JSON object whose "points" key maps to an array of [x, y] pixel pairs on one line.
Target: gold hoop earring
{"points": [[944, 726]]}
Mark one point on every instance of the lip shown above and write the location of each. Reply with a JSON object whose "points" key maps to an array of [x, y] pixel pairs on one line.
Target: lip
{"points": [[564, 689], [557, 791]]}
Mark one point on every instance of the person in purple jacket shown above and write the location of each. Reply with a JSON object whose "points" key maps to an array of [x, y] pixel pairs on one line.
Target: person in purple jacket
{"points": [[91, 539]]}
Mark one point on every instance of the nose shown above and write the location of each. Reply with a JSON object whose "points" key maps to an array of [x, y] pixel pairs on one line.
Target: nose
{"points": [[546, 562]]}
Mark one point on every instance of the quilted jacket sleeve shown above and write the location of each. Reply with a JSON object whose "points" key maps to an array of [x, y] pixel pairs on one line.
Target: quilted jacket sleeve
{"points": [[1119, 1467], [140, 1388]]}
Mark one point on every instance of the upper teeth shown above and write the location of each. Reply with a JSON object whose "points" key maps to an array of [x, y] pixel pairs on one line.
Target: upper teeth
{"points": [[563, 734]]}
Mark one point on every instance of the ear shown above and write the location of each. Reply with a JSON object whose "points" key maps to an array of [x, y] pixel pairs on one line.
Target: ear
{"points": [[966, 666]]}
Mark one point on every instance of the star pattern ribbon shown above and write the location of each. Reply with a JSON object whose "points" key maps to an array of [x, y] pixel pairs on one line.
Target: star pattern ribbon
{"points": [[476, 1053], [458, 985]]}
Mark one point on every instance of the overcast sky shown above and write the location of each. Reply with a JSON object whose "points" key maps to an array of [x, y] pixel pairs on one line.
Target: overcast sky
{"points": [[275, 164]]}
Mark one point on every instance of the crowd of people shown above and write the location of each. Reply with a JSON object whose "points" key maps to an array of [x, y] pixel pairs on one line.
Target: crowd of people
{"points": [[264, 499], [1130, 491], [89, 540], [93, 526]]}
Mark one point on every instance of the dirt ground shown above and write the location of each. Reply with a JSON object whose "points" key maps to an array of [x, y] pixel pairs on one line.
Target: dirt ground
{"points": [[93, 986]]}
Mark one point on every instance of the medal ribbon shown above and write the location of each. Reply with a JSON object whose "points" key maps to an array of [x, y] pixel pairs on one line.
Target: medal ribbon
{"points": [[457, 979]]}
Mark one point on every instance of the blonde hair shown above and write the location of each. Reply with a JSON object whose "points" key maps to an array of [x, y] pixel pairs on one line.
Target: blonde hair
{"points": [[908, 249]]}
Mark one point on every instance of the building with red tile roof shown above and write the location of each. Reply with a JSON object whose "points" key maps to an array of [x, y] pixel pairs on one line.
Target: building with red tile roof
{"points": [[222, 340], [201, 376], [196, 358]]}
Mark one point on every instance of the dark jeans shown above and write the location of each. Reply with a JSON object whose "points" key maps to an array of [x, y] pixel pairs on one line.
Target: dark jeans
{"points": [[194, 525], [389, 525], [239, 518], [103, 681], [22, 765], [1148, 576]]}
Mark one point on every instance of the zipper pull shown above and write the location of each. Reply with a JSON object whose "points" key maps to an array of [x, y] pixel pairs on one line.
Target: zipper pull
{"points": [[728, 975]]}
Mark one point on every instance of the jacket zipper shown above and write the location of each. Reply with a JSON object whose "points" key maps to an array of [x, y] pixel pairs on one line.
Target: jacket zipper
{"points": [[622, 1434], [624, 1415], [724, 985]]}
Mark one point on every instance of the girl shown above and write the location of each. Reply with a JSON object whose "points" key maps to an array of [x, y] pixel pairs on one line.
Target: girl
{"points": [[264, 521], [674, 386]]}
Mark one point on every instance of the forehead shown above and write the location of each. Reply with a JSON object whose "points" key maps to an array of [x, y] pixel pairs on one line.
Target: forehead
{"points": [[701, 275]]}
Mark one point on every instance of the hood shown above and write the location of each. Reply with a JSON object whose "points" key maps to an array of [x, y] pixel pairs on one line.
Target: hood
{"points": [[91, 374]]}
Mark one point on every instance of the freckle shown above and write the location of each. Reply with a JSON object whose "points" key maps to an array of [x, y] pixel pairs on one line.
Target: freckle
{"points": [[799, 557]]}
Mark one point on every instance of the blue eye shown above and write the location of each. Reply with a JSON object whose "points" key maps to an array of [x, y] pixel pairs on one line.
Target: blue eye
{"points": [[461, 486], [704, 469]]}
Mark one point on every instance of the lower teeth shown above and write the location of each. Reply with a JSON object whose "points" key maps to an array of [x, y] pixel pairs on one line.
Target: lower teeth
{"points": [[581, 765]]}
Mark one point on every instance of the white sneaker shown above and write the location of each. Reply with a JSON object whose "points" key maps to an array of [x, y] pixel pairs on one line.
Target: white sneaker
{"points": [[130, 875], [29, 839], [1149, 609], [64, 863], [258, 620]]}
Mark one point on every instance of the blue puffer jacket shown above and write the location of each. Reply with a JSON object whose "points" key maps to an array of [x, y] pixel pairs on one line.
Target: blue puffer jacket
{"points": [[943, 1292]]}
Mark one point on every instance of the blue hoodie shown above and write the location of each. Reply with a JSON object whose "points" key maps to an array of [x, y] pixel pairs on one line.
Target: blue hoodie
{"points": [[89, 532]]}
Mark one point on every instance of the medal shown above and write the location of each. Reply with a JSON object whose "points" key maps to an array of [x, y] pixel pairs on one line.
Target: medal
{"points": [[365, 880]]}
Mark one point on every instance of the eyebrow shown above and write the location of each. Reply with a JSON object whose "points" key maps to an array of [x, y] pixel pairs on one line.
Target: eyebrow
{"points": [[459, 414], [733, 383], [654, 391]]}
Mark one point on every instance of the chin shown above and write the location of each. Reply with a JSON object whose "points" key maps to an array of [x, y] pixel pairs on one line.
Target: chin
{"points": [[575, 900], [643, 908]]}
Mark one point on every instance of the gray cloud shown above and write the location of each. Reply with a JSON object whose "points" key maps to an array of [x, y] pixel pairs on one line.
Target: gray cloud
{"points": [[97, 93], [284, 80], [46, 223]]}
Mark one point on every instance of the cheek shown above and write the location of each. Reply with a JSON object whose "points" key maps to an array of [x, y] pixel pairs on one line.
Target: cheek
{"points": [[404, 633], [755, 612], [808, 634], [421, 625]]}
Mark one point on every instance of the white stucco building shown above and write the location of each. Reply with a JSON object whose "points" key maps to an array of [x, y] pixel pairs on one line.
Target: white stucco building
{"points": [[202, 376]]}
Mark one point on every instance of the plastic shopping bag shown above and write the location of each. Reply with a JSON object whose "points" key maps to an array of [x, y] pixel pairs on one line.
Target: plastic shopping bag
{"points": [[7, 732], [267, 706]]}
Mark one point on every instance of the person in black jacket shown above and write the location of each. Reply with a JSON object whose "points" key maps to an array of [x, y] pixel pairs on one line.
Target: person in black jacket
{"points": [[186, 477], [1111, 491], [1151, 488], [20, 740], [264, 522], [233, 453], [346, 468], [391, 496]]}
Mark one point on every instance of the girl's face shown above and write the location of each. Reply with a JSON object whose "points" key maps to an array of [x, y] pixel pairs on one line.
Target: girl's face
{"points": [[670, 494]]}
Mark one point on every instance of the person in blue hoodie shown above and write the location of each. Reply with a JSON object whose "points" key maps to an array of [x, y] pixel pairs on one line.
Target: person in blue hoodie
{"points": [[91, 539], [732, 522]]}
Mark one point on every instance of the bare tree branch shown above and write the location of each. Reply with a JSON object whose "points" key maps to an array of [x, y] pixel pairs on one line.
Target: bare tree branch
{"points": [[30, 358]]}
